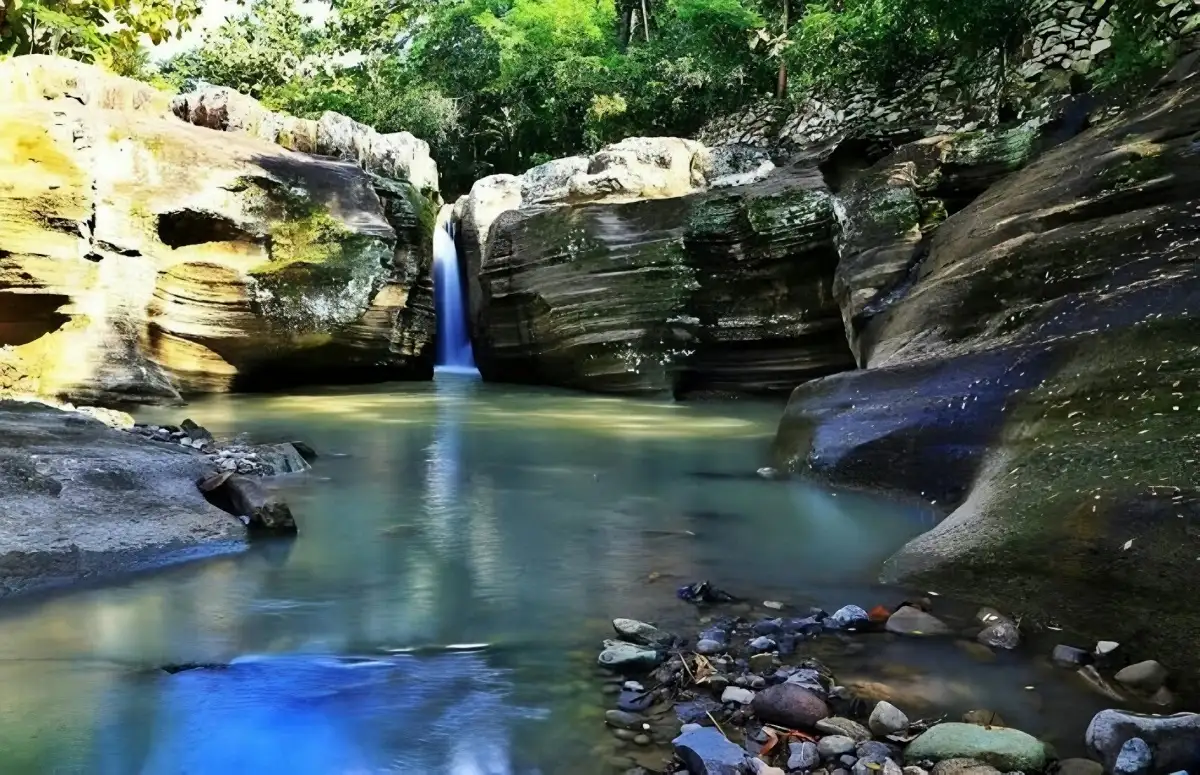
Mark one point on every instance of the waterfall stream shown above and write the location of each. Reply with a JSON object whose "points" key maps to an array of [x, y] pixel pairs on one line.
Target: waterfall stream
{"points": [[453, 344]]}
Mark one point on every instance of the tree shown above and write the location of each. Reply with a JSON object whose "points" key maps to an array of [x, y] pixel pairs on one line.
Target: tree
{"points": [[108, 32]]}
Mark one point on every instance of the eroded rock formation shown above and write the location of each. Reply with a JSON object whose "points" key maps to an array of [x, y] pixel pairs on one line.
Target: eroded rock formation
{"points": [[1036, 371], [142, 256]]}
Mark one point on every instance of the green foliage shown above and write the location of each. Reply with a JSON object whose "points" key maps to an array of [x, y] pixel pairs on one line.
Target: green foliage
{"points": [[107, 32], [1139, 26]]}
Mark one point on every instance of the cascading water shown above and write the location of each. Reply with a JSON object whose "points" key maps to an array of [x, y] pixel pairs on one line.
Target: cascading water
{"points": [[453, 345]]}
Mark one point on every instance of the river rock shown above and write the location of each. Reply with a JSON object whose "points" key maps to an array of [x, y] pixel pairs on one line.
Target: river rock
{"points": [[963, 767], [1134, 758], [709, 647], [849, 616], [624, 720], [886, 719], [165, 258], [633, 631], [913, 621], [1147, 676], [761, 644], [833, 746], [738, 695], [1005, 749], [1000, 634], [837, 725], [618, 655], [1174, 741], [261, 509], [803, 756], [705, 751]]}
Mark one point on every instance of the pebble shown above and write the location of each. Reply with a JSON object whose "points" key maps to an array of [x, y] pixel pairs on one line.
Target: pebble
{"points": [[683, 730], [634, 686], [709, 647], [738, 695], [838, 725], [803, 756], [762, 643], [886, 719], [873, 751], [623, 719], [913, 621], [760, 663], [1134, 759], [833, 746], [1147, 676], [622, 734], [642, 740], [849, 616], [1106, 648]]}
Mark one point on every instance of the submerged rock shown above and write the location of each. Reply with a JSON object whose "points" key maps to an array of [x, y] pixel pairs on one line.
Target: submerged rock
{"points": [[641, 633], [913, 621], [1005, 749], [705, 751], [618, 655]]}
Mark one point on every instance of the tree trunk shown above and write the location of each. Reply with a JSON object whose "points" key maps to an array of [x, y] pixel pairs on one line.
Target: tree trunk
{"points": [[781, 85], [645, 22], [625, 24]]}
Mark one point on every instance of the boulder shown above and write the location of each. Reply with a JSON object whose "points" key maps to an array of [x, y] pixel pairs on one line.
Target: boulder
{"points": [[1009, 384], [724, 291], [79, 500], [1002, 748], [789, 705], [1174, 741], [705, 751], [908, 620], [142, 257]]}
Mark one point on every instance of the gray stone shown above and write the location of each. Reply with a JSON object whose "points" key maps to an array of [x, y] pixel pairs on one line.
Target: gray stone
{"points": [[913, 621], [1135, 758], [837, 725], [618, 655], [705, 751], [850, 616], [1147, 676], [709, 647], [886, 719], [790, 705], [1003, 748], [760, 663], [623, 720], [738, 695], [1000, 633], [1174, 740], [683, 730], [642, 740], [803, 756], [762, 643], [833, 746], [641, 633], [874, 751]]}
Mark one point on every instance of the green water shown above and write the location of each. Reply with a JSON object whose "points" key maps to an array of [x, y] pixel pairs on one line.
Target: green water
{"points": [[462, 548]]}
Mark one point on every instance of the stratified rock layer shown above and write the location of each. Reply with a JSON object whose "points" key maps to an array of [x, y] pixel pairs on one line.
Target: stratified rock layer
{"points": [[142, 257], [1039, 373], [726, 290]]}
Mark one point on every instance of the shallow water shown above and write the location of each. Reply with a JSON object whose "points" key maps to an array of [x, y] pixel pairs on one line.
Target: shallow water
{"points": [[462, 549]]}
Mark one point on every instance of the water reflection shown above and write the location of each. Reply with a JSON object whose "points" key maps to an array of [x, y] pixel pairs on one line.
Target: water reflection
{"points": [[440, 514]]}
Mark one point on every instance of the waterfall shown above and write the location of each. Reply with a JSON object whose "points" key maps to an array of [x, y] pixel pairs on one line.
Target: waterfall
{"points": [[453, 345]]}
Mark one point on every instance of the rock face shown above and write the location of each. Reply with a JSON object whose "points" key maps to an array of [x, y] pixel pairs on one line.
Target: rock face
{"points": [[1034, 375], [79, 500], [725, 290], [142, 257]]}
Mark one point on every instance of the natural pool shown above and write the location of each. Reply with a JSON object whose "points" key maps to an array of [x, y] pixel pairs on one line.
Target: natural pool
{"points": [[463, 547]]}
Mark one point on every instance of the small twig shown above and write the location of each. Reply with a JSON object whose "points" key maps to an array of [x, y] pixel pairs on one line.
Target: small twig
{"points": [[689, 670], [715, 724]]}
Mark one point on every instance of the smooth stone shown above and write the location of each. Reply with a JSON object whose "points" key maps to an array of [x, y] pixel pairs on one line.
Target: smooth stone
{"points": [[622, 734], [640, 632], [683, 730], [623, 719], [1069, 656], [1135, 758], [1003, 748], [641, 740], [963, 767], [790, 705], [618, 655], [1147, 676], [1175, 739], [837, 725], [849, 760], [633, 686], [709, 647], [1080, 767], [886, 719], [738, 695], [803, 756], [833, 746], [760, 663], [762, 643], [913, 621], [635, 702], [1105, 648], [874, 751], [705, 751], [850, 616], [758, 682]]}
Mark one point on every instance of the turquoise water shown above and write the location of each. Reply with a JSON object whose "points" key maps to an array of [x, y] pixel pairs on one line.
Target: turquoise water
{"points": [[462, 548]]}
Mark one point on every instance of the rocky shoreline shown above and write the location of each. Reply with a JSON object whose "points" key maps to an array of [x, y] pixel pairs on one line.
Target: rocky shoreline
{"points": [[747, 695]]}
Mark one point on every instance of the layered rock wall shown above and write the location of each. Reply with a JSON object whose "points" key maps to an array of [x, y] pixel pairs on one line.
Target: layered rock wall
{"points": [[142, 257]]}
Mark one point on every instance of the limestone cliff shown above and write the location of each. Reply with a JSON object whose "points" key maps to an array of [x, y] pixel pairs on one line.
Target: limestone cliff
{"points": [[142, 257], [1035, 372]]}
